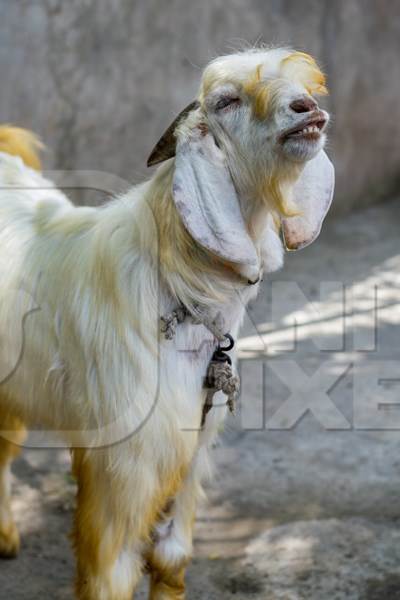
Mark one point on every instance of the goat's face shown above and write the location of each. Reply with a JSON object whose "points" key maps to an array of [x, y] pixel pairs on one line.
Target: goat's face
{"points": [[261, 109], [254, 134]]}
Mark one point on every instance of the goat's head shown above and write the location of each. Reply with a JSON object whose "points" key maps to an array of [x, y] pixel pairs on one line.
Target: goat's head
{"points": [[253, 140]]}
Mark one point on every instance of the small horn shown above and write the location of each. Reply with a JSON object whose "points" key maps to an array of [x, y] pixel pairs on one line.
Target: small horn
{"points": [[166, 146]]}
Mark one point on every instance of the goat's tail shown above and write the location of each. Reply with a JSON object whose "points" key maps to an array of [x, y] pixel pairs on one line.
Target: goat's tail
{"points": [[23, 143]]}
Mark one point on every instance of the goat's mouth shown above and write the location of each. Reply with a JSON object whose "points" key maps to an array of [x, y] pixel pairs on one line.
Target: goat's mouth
{"points": [[309, 130]]}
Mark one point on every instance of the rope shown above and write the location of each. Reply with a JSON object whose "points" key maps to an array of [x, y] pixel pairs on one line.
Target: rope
{"points": [[220, 377], [170, 322]]}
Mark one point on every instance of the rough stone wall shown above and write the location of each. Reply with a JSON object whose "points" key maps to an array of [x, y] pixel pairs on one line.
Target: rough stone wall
{"points": [[100, 79]]}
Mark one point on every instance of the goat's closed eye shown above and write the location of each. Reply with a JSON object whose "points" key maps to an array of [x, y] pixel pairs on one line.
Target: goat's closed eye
{"points": [[227, 102]]}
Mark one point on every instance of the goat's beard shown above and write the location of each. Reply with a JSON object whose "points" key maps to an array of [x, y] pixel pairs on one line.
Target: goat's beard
{"points": [[269, 187], [278, 188]]}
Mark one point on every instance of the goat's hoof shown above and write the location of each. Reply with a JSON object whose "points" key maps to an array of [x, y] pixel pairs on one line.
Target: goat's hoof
{"points": [[9, 541]]}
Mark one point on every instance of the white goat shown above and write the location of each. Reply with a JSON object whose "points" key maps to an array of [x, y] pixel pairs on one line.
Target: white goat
{"points": [[89, 286]]}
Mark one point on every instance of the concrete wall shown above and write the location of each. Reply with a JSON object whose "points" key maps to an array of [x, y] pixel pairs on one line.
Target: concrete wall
{"points": [[100, 79]]}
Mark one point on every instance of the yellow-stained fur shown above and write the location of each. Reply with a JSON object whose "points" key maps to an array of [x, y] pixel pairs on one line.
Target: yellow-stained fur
{"points": [[127, 526], [9, 449], [23, 143]]}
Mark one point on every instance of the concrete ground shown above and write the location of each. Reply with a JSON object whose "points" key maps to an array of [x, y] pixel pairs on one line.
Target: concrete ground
{"points": [[302, 506]]}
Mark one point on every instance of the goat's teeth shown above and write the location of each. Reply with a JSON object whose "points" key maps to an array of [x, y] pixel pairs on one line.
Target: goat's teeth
{"points": [[310, 129]]}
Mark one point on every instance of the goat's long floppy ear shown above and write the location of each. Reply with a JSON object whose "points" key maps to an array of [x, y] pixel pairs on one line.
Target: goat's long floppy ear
{"points": [[312, 195], [166, 146], [206, 199]]}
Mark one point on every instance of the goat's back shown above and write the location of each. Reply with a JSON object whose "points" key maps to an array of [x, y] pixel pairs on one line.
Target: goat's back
{"points": [[25, 195]]}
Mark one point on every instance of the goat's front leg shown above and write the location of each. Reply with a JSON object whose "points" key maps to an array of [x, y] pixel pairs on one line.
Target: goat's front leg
{"points": [[119, 500], [172, 549], [9, 537], [114, 517]]}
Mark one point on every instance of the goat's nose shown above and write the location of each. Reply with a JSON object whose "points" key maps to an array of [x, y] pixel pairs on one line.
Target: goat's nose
{"points": [[302, 105]]}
